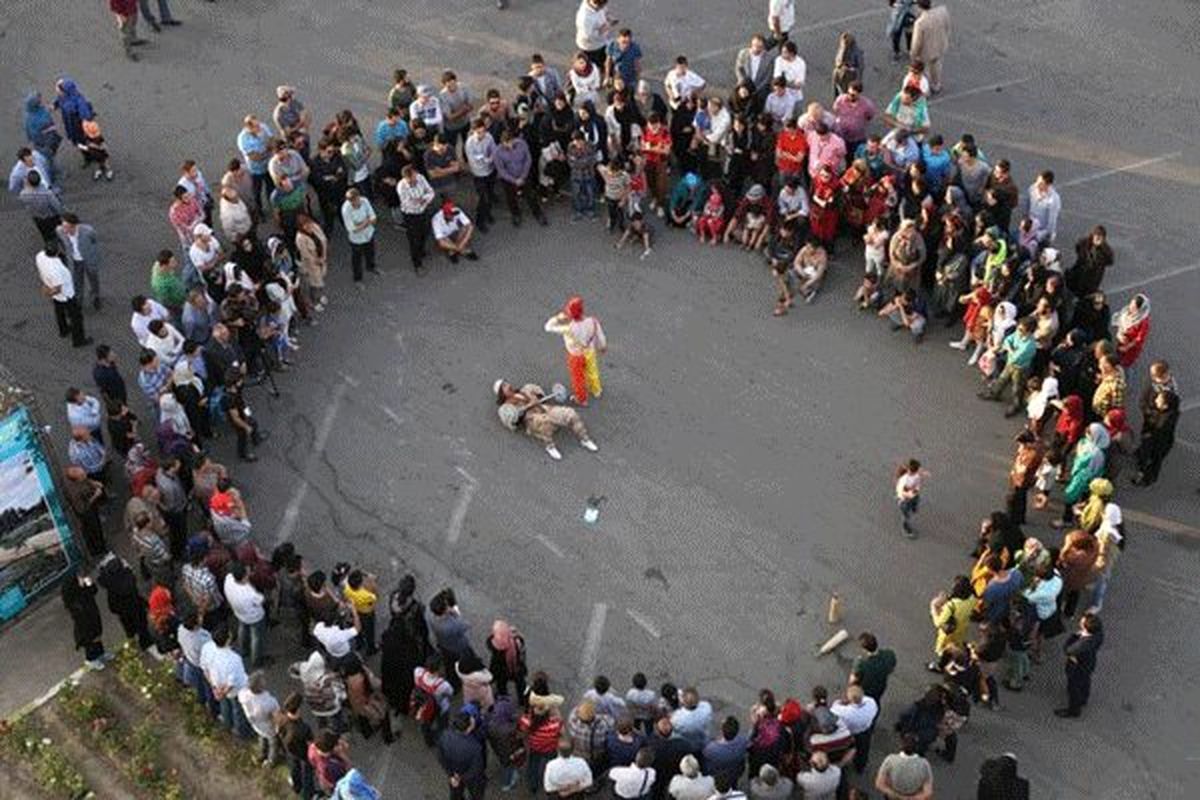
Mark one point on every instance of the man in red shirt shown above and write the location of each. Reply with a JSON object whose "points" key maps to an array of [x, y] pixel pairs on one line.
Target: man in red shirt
{"points": [[791, 146], [656, 147], [126, 12]]}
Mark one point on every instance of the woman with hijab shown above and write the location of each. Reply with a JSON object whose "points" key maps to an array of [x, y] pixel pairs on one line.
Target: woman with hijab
{"points": [[74, 109], [476, 681], [507, 648], [1093, 255], [40, 130], [313, 247], [1004, 319], [163, 620], [79, 597], [1158, 437], [558, 123], [583, 82], [744, 102], [594, 129], [847, 64], [1038, 408], [1110, 387], [955, 202], [174, 431], [189, 392], [823, 213], [1077, 565], [951, 615], [1133, 326], [1087, 465], [1110, 537], [366, 699], [1120, 442], [404, 645]]}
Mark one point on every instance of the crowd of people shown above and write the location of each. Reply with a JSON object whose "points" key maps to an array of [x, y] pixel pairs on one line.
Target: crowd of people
{"points": [[947, 237]]}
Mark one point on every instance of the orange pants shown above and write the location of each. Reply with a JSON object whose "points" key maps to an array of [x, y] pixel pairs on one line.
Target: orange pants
{"points": [[585, 375]]}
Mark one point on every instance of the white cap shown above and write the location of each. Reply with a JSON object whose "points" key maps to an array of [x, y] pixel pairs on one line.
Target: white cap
{"points": [[200, 229], [496, 386]]}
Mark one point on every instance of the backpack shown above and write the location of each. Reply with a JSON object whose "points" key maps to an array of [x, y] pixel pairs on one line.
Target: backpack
{"points": [[422, 702]]}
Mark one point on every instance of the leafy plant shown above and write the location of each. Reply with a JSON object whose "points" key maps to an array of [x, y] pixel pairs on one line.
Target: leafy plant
{"points": [[50, 768]]}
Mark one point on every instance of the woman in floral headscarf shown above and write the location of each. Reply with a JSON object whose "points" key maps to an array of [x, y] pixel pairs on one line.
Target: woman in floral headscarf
{"points": [[1133, 326]]}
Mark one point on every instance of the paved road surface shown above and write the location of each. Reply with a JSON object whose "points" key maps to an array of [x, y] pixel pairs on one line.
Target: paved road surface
{"points": [[745, 461]]}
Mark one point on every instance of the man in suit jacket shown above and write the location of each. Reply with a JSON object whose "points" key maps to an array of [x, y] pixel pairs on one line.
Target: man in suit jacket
{"points": [[931, 40], [754, 65], [81, 249]]}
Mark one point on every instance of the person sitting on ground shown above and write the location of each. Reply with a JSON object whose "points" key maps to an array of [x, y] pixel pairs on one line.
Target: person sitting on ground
{"points": [[810, 265], [538, 421], [906, 310], [639, 230], [453, 229]]}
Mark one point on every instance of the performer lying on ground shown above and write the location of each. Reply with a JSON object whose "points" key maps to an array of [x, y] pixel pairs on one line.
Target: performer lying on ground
{"points": [[529, 410]]}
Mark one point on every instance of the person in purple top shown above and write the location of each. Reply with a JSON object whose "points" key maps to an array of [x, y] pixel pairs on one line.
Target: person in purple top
{"points": [[513, 165]]}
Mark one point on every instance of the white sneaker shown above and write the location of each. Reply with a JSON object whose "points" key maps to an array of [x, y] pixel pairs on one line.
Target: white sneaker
{"points": [[94, 666], [552, 451], [960, 345], [645, 253], [588, 444], [971, 361]]}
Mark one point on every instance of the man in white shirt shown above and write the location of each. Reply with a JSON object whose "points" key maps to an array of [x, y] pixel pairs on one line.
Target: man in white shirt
{"points": [[59, 286], [681, 83], [192, 637], [248, 607], [260, 707], [165, 341], [415, 195], [689, 784], [791, 67], [781, 17], [820, 782], [567, 775], [593, 30], [145, 311], [780, 104], [337, 638], [205, 254], [636, 780], [858, 712], [452, 230], [226, 675], [1043, 204], [359, 218]]}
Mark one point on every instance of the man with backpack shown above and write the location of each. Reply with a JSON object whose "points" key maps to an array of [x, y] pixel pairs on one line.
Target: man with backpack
{"points": [[429, 703]]}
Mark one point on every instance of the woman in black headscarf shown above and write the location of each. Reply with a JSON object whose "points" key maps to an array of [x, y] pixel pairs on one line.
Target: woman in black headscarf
{"points": [[404, 645], [1093, 255], [79, 596]]}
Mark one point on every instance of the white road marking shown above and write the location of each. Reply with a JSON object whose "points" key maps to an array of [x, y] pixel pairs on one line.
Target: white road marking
{"points": [[470, 478], [1162, 276], [1190, 405], [459, 515], [591, 645], [644, 622], [291, 514], [350, 380], [549, 545], [1118, 170], [991, 87], [392, 415]]}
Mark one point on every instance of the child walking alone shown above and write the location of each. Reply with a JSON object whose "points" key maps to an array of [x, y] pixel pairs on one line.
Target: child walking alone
{"points": [[908, 494]]}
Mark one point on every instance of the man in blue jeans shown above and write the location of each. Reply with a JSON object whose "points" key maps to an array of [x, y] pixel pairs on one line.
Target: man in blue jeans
{"points": [[249, 608], [226, 674], [164, 15]]}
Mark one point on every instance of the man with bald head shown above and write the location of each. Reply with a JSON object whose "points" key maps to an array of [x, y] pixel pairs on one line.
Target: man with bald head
{"points": [[84, 497]]}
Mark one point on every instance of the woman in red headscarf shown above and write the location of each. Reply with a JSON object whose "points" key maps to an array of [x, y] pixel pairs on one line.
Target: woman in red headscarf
{"points": [[583, 337], [823, 214], [1121, 443], [1133, 326]]}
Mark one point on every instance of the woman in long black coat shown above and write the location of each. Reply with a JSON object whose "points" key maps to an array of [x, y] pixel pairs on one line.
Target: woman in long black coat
{"points": [[124, 600], [1158, 437], [79, 596], [404, 645]]}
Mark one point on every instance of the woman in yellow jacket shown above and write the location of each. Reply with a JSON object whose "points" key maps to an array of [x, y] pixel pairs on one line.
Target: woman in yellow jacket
{"points": [[951, 615]]}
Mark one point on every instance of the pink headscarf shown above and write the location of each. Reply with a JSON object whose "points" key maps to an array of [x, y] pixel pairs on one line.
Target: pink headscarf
{"points": [[504, 640]]}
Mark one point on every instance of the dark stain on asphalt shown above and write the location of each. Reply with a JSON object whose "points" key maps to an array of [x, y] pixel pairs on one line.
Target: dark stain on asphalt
{"points": [[449, 388], [656, 574]]}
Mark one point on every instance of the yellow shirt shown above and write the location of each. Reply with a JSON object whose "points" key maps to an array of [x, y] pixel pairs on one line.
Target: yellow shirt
{"points": [[363, 599]]}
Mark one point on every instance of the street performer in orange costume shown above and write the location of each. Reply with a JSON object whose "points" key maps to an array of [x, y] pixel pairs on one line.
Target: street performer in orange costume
{"points": [[583, 338]]}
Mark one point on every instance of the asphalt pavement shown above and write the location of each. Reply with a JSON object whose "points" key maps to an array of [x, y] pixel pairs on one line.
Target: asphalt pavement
{"points": [[745, 461]]}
